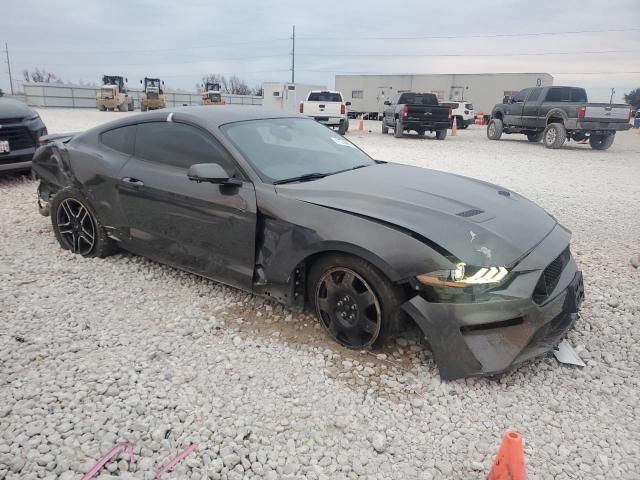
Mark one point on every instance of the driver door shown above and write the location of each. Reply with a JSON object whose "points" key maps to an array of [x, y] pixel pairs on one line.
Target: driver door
{"points": [[200, 227], [515, 109]]}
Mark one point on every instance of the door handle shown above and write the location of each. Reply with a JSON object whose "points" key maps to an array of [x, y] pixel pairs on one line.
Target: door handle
{"points": [[133, 181]]}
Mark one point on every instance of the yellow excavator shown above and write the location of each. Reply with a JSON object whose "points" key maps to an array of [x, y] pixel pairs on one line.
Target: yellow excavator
{"points": [[211, 94], [153, 96]]}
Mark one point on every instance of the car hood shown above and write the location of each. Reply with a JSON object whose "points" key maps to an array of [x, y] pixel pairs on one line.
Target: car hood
{"points": [[14, 109], [479, 223]]}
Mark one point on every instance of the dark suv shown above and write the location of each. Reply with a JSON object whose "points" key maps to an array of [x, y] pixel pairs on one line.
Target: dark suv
{"points": [[20, 129]]}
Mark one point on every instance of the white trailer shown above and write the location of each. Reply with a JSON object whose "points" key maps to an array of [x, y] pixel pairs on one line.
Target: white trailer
{"points": [[367, 93], [286, 96]]}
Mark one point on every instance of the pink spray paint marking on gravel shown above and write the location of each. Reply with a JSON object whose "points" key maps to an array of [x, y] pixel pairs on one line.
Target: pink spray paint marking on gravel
{"points": [[174, 463], [112, 453]]}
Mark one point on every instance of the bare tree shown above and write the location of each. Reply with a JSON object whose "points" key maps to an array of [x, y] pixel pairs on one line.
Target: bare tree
{"points": [[258, 91], [238, 86], [216, 78], [41, 76], [1, 92]]}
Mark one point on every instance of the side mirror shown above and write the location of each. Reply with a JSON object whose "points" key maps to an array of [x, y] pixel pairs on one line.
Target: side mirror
{"points": [[211, 173], [348, 104], [387, 102]]}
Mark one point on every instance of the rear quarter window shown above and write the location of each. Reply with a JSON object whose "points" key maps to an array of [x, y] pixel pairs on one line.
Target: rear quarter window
{"points": [[120, 139]]}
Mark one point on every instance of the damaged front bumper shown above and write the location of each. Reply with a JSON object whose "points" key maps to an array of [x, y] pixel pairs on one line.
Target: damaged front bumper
{"points": [[492, 336]]}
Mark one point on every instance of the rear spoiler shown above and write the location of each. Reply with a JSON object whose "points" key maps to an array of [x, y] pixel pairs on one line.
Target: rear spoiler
{"points": [[56, 137]]}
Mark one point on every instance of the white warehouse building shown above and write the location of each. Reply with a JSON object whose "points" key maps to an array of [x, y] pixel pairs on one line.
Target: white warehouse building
{"points": [[367, 93]]}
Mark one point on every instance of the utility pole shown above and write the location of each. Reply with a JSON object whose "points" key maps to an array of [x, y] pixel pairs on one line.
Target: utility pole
{"points": [[6, 51], [613, 90], [293, 56]]}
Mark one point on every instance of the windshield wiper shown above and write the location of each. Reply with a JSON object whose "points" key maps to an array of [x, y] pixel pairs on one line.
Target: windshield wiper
{"points": [[302, 178]]}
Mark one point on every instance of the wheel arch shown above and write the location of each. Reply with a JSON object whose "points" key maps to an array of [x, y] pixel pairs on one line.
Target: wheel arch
{"points": [[556, 116]]}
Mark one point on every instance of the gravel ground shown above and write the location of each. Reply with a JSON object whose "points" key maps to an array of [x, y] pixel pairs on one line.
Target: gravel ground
{"points": [[98, 351]]}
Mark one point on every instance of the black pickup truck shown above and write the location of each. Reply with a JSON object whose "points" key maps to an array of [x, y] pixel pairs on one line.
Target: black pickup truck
{"points": [[416, 111], [556, 114]]}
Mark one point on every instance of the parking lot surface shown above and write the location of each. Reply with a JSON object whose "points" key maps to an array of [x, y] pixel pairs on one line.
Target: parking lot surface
{"points": [[94, 351]]}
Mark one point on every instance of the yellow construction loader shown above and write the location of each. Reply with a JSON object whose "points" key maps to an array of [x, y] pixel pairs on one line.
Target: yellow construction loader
{"points": [[114, 94], [152, 96], [212, 95]]}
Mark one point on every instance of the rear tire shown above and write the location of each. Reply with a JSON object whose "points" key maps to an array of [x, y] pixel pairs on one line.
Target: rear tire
{"points": [[601, 142], [354, 302], [554, 136], [535, 137], [398, 132], [385, 129], [77, 227], [441, 134], [344, 126], [494, 129], [102, 108]]}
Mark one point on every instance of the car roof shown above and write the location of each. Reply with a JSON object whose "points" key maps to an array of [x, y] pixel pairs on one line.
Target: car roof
{"points": [[210, 117]]}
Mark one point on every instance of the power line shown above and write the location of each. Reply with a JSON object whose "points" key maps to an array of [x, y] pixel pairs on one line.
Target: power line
{"points": [[497, 35], [6, 51], [459, 54]]}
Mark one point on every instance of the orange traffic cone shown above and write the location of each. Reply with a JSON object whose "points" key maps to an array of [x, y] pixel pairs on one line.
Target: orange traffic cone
{"points": [[509, 463], [361, 124], [454, 128]]}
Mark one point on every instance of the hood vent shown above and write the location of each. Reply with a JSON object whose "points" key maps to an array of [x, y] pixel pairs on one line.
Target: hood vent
{"points": [[470, 213]]}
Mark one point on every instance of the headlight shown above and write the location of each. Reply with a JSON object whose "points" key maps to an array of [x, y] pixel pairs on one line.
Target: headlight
{"points": [[462, 276]]}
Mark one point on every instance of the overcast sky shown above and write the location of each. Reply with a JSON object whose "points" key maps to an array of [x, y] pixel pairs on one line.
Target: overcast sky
{"points": [[80, 40]]}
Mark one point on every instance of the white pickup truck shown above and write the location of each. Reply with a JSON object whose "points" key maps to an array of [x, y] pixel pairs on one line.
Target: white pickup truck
{"points": [[327, 107]]}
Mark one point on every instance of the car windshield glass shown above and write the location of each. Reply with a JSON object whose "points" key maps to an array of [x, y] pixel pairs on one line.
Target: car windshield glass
{"points": [[324, 97], [281, 149], [418, 99]]}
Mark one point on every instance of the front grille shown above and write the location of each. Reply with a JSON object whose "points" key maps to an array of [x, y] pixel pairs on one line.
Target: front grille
{"points": [[6, 121], [550, 276], [19, 137]]}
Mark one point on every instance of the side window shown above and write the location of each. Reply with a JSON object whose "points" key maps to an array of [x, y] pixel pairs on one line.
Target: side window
{"points": [[534, 95], [121, 139], [520, 96], [578, 95], [180, 145], [558, 94]]}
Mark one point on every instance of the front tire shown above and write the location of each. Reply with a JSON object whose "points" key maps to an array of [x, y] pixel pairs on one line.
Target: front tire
{"points": [[354, 302], [601, 142], [554, 136], [494, 129], [76, 226]]}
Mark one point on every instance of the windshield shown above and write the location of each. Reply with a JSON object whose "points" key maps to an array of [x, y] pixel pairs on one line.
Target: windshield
{"points": [[324, 97], [280, 149]]}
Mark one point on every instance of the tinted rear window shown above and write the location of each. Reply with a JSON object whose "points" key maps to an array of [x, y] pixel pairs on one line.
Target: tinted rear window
{"points": [[324, 97], [418, 99], [468, 106], [566, 94], [121, 139]]}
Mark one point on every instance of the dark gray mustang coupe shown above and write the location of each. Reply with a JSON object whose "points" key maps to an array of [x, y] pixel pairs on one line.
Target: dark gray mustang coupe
{"points": [[281, 206]]}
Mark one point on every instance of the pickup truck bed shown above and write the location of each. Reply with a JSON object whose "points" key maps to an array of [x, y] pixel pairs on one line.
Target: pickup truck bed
{"points": [[557, 114]]}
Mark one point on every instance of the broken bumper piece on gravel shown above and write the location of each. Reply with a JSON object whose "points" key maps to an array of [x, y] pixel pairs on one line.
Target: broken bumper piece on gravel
{"points": [[512, 325]]}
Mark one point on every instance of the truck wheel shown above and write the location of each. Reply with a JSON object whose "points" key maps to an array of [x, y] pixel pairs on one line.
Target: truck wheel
{"points": [[124, 107], [344, 126], [554, 135], [494, 129], [143, 107], [441, 134], [535, 137], [601, 142], [102, 108], [397, 130], [385, 129]]}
